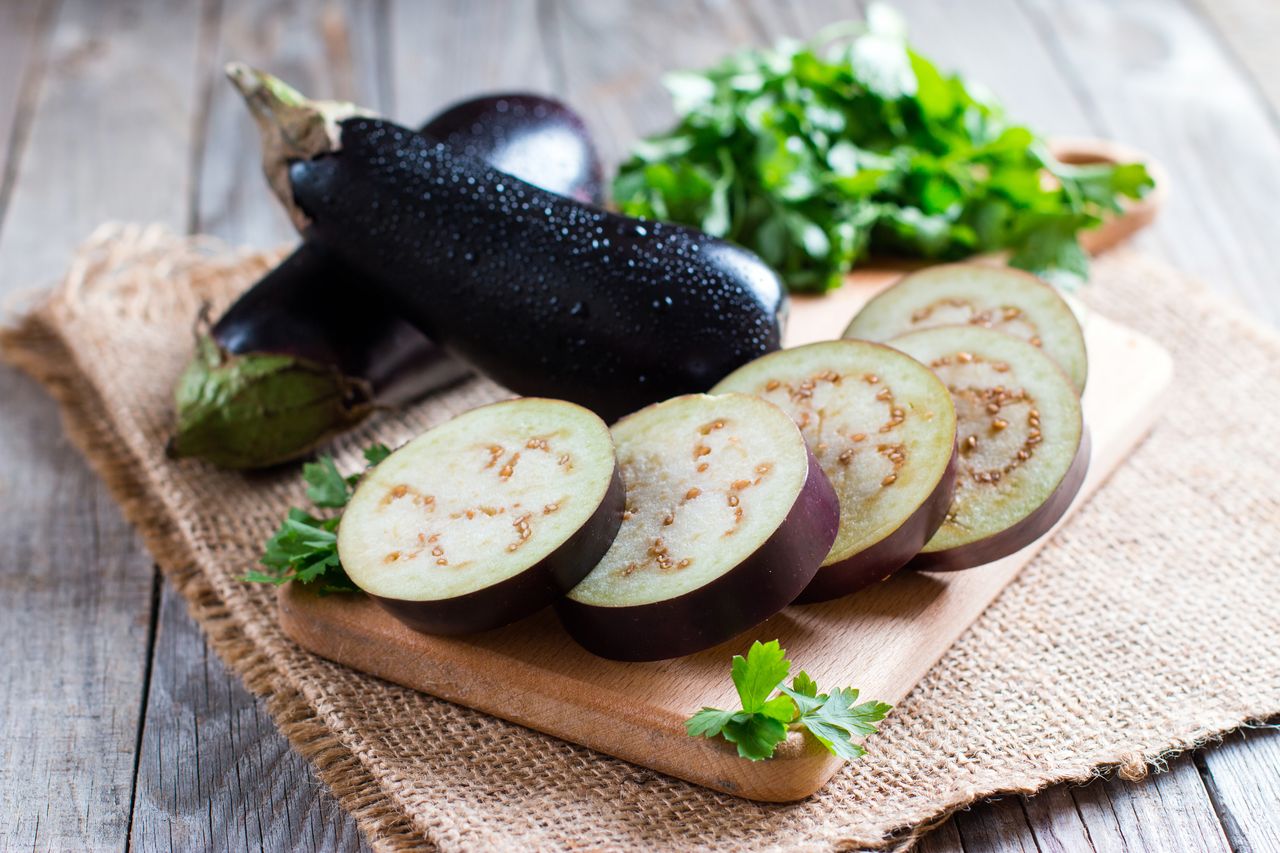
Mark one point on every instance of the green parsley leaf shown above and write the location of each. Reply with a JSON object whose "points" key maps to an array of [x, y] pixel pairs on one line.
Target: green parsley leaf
{"points": [[756, 737], [326, 487], [816, 154], [758, 675], [763, 722], [710, 722], [305, 547], [837, 721], [375, 453]]}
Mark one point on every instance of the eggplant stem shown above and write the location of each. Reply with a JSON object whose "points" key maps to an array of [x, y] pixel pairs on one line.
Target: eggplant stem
{"points": [[292, 127]]}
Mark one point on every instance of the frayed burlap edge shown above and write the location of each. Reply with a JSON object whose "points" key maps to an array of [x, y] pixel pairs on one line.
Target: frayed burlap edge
{"points": [[34, 347]]}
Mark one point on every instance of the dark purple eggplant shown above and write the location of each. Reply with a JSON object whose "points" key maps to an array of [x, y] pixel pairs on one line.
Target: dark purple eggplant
{"points": [[546, 295], [309, 352]]}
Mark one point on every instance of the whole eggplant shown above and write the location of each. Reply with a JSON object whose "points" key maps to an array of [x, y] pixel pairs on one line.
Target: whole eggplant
{"points": [[544, 294], [309, 351]]}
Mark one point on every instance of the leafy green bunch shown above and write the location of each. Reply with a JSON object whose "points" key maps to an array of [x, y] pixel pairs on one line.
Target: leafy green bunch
{"points": [[764, 720], [305, 547], [815, 153]]}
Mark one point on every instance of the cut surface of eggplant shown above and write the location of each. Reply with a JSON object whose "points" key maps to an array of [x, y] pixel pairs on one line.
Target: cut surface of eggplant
{"points": [[1001, 298], [883, 428], [727, 518], [1023, 447], [485, 518]]}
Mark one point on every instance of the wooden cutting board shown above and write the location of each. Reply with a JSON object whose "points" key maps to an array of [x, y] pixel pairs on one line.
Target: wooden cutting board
{"points": [[882, 640]]}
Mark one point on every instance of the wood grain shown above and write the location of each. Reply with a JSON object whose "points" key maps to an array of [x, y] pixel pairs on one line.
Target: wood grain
{"points": [[23, 29], [1243, 780], [240, 784], [1152, 75], [447, 51], [214, 773], [1249, 32], [613, 59], [1168, 811], [78, 586], [637, 711]]}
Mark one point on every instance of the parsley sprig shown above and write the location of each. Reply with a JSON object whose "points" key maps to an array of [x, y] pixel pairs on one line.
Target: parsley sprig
{"points": [[814, 154], [764, 720], [305, 547]]}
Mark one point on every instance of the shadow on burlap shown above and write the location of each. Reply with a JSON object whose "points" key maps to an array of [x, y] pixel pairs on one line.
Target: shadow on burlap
{"points": [[1148, 625]]}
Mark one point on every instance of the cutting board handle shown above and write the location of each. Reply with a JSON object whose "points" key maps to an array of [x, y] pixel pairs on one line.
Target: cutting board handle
{"points": [[1138, 214]]}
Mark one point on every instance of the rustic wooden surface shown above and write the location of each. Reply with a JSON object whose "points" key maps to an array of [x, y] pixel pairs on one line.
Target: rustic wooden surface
{"points": [[118, 728]]}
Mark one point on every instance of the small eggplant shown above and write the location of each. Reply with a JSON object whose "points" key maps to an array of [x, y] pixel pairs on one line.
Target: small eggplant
{"points": [[546, 295], [308, 352]]}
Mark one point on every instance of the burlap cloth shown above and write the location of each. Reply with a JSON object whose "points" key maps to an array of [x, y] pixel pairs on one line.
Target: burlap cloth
{"points": [[1150, 624]]}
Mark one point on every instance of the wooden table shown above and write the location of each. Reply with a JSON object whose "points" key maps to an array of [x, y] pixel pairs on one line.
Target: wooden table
{"points": [[118, 728]]}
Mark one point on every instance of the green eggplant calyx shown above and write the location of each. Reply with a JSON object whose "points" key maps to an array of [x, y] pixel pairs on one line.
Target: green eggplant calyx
{"points": [[292, 127], [254, 410]]}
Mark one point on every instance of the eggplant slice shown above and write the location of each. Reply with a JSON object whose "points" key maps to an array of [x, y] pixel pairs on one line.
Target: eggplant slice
{"points": [[1001, 298], [1024, 450], [883, 428], [727, 518], [486, 518]]}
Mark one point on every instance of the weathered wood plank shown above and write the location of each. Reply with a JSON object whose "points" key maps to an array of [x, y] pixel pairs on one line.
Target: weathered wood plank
{"points": [[1250, 31], [23, 29], [943, 839], [109, 138], [1243, 779], [324, 52], [1166, 811], [613, 60], [214, 772], [445, 51], [998, 826], [1156, 78]]}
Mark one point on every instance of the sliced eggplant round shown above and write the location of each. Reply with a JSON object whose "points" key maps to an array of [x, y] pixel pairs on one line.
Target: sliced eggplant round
{"points": [[486, 518], [1024, 450], [883, 428], [1000, 298], [727, 518]]}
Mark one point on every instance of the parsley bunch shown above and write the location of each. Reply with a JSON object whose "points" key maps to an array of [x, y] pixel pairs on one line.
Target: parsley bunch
{"points": [[764, 722], [305, 547], [813, 154]]}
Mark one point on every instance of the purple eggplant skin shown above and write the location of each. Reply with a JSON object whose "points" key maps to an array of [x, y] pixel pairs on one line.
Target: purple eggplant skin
{"points": [[1020, 535], [543, 294], [526, 593], [758, 587], [308, 352], [883, 559]]}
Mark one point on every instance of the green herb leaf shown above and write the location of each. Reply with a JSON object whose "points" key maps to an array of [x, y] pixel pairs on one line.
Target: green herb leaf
{"points": [[305, 547], [375, 453], [836, 721], [763, 722], [757, 736], [326, 487], [816, 154], [758, 675]]}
